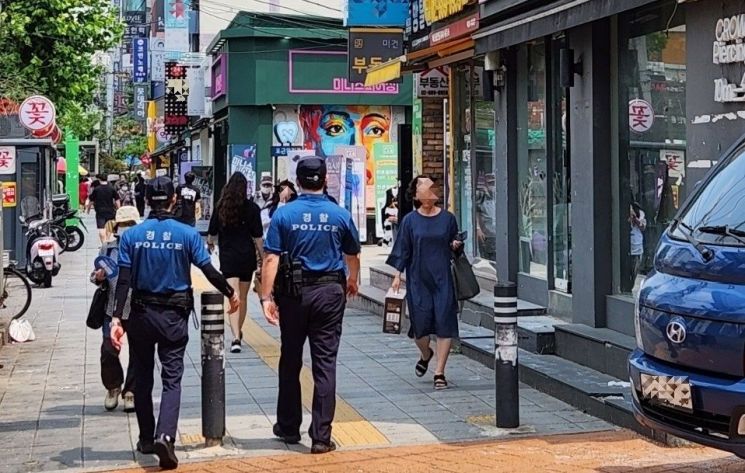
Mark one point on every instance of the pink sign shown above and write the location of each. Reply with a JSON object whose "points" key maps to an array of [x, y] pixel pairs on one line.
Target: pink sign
{"points": [[337, 85], [219, 76], [37, 113]]}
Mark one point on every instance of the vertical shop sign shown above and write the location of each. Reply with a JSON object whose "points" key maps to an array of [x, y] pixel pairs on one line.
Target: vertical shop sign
{"points": [[370, 47], [140, 98], [139, 60], [417, 26], [7, 160], [243, 160], [416, 131], [386, 177], [157, 59], [195, 102], [176, 98]]}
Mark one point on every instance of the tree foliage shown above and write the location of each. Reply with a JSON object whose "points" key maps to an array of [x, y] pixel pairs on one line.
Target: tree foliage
{"points": [[48, 48], [127, 140]]}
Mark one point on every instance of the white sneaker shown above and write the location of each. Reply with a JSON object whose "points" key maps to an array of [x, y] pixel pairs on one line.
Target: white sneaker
{"points": [[129, 402], [112, 399]]}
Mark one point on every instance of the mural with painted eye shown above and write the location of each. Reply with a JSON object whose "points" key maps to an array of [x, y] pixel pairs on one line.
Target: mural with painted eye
{"points": [[323, 128]]}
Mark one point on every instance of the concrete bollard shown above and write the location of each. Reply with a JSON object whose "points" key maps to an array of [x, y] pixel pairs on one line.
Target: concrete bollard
{"points": [[213, 368], [505, 355]]}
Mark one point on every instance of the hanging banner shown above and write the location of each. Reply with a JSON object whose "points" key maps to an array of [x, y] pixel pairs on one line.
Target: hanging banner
{"points": [[9, 194], [151, 120], [243, 160], [386, 177], [7, 159], [195, 102], [176, 118], [177, 43], [417, 26], [159, 19], [416, 131], [140, 99], [157, 59], [139, 60], [177, 13], [205, 183], [353, 195], [287, 165], [334, 172]]}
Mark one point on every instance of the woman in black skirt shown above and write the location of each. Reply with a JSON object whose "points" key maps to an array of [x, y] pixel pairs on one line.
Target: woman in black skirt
{"points": [[236, 223]]}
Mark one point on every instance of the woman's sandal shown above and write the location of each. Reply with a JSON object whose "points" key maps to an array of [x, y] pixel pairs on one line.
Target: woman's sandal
{"points": [[422, 365], [440, 382]]}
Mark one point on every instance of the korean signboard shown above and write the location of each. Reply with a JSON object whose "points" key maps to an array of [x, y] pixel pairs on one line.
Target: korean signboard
{"points": [[140, 99], [417, 26], [177, 13], [641, 115], [176, 117], [38, 114], [157, 59], [301, 81], [139, 60], [455, 30], [432, 83], [436, 10], [7, 160], [369, 47], [135, 26], [243, 160], [376, 13], [9, 194]]}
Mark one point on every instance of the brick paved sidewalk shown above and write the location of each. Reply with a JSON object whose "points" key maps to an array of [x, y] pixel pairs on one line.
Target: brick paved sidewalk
{"points": [[51, 398], [606, 452]]}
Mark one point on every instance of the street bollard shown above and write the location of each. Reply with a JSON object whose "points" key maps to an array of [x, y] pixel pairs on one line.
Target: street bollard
{"points": [[505, 355], [213, 368]]}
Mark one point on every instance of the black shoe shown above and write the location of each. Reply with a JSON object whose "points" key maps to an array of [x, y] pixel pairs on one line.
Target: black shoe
{"points": [[145, 448], [235, 347], [321, 447], [166, 453], [291, 439]]}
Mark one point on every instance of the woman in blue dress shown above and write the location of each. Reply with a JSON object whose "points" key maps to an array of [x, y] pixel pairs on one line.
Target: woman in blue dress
{"points": [[426, 239]]}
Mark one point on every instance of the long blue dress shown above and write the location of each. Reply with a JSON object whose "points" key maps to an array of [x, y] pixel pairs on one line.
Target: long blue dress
{"points": [[422, 251]]}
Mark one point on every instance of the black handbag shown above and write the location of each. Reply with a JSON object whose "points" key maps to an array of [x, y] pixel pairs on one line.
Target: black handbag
{"points": [[466, 284], [97, 311]]}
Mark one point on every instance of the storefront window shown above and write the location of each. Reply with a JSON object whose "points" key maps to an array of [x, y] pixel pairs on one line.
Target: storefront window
{"points": [[485, 181], [532, 170], [652, 166]]}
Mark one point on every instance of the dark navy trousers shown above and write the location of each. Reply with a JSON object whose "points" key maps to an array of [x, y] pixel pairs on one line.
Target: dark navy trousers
{"points": [[317, 315], [165, 329]]}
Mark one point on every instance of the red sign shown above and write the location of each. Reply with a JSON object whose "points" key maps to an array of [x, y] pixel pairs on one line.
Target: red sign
{"points": [[9, 194], [37, 113], [455, 30]]}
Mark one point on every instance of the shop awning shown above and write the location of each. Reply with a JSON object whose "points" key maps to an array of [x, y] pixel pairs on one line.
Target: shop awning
{"points": [[556, 16], [62, 167], [388, 71]]}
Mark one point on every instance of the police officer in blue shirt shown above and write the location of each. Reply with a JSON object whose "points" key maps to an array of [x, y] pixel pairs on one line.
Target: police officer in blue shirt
{"points": [[155, 261], [320, 238]]}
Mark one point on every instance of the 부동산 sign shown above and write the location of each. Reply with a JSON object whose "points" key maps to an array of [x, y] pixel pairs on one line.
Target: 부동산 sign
{"points": [[370, 47]]}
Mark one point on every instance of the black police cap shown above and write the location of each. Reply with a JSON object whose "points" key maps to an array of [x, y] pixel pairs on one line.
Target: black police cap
{"points": [[311, 169], [160, 189]]}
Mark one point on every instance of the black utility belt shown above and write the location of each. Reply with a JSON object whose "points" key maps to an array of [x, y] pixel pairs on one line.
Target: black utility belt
{"points": [[316, 278], [180, 300]]}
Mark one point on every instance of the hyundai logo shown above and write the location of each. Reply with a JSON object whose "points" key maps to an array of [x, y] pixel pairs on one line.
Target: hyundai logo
{"points": [[676, 331]]}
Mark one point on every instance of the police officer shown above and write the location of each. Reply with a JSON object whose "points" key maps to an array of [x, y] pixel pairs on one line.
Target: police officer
{"points": [[317, 236], [155, 259]]}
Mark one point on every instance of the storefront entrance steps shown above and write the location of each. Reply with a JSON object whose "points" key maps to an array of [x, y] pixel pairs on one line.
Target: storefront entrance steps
{"points": [[595, 393], [601, 349], [535, 329]]}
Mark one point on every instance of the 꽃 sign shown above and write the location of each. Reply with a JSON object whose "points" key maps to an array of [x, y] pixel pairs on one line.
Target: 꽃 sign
{"points": [[37, 113], [641, 115]]}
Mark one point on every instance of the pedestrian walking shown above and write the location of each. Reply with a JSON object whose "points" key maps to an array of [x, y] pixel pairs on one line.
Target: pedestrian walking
{"points": [[155, 260], [140, 189], [237, 226], [112, 373], [312, 251], [83, 190], [423, 249], [264, 196], [284, 193], [105, 200], [188, 201]]}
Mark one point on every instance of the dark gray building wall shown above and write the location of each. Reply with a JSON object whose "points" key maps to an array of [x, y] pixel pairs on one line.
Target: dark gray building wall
{"points": [[706, 141], [592, 223]]}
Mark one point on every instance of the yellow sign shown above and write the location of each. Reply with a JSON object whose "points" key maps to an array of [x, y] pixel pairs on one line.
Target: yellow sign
{"points": [[436, 10], [9, 194], [151, 141]]}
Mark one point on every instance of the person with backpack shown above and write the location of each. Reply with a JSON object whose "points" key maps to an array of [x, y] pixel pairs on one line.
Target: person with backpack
{"points": [[188, 201]]}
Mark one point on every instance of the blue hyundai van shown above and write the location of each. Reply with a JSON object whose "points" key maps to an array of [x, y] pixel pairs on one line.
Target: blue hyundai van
{"points": [[688, 370]]}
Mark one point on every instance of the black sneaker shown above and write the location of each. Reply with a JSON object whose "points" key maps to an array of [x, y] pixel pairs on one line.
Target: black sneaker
{"points": [[166, 452], [145, 448], [291, 439], [235, 347], [321, 447]]}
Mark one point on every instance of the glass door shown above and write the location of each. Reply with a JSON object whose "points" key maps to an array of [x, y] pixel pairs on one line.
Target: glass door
{"points": [[561, 231]]}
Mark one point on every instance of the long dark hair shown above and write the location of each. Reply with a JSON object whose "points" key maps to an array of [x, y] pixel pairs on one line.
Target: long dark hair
{"points": [[274, 203], [232, 199]]}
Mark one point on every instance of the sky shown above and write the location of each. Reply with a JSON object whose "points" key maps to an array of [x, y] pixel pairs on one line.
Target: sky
{"points": [[217, 14]]}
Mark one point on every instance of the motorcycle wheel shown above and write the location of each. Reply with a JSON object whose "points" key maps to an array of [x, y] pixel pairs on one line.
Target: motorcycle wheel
{"points": [[48, 279], [75, 238], [61, 236]]}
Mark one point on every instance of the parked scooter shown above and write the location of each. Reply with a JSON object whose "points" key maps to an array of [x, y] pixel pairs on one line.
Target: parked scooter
{"points": [[75, 237], [42, 252]]}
